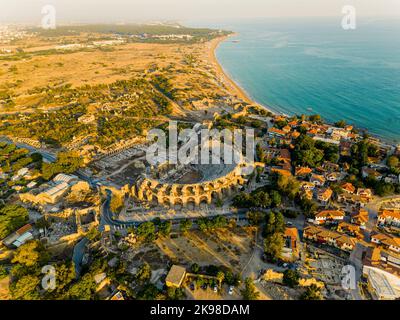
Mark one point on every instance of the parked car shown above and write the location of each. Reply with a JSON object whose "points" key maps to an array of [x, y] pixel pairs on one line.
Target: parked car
{"points": [[230, 290], [192, 286], [293, 266], [215, 289], [204, 286]]}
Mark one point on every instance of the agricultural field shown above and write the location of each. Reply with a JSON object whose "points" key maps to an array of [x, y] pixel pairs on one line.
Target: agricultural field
{"points": [[59, 87]]}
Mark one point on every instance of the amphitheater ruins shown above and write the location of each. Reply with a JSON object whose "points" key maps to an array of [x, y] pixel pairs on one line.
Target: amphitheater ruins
{"points": [[191, 185]]}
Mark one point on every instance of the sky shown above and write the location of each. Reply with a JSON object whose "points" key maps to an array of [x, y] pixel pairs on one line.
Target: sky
{"points": [[29, 11]]}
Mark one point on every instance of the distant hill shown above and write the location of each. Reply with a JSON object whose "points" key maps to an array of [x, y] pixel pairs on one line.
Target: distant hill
{"points": [[133, 30]]}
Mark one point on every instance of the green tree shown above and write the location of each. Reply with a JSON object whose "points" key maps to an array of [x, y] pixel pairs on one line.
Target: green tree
{"points": [[270, 225], [312, 293], [150, 292], [384, 189], [232, 279], [3, 272], [276, 199], [255, 217], [249, 292], [393, 162], [220, 276], [261, 199], [273, 245], [93, 234], [309, 207], [25, 288], [146, 231], [65, 275], [305, 152], [275, 224], [175, 293], [287, 185], [165, 228], [31, 254], [291, 278], [116, 203], [195, 268], [12, 217], [315, 118], [185, 225], [84, 289], [340, 124], [279, 223], [66, 162], [143, 273]]}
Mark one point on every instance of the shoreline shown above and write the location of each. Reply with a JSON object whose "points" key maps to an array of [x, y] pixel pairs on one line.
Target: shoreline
{"points": [[232, 86], [238, 91]]}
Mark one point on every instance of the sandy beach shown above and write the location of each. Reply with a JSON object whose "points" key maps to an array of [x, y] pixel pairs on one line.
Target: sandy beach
{"points": [[234, 88]]}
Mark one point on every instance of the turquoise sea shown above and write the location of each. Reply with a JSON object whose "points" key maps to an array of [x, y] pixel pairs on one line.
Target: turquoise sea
{"points": [[312, 65]]}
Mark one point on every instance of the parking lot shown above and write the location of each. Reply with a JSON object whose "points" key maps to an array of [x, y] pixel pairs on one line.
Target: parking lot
{"points": [[114, 161], [208, 293]]}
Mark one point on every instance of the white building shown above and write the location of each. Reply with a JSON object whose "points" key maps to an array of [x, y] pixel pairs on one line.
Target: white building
{"points": [[383, 285]]}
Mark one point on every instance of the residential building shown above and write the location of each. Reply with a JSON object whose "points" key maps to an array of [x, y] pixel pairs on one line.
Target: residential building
{"points": [[302, 171], [365, 195], [292, 242], [389, 217], [351, 199], [307, 185], [19, 237], [275, 132], [329, 216], [387, 242], [350, 229], [331, 167], [361, 217], [333, 176], [348, 188], [328, 237], [175, 276], [324, 195], [61, 177], [317, 180], [369, 172], [117, 296]]}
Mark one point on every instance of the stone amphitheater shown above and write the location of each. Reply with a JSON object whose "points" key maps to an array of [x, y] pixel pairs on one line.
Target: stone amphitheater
{"points": [[189, 186]]}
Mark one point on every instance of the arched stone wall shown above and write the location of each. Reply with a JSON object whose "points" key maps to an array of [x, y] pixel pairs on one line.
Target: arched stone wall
{"points": [[183, 195], [169, 195]]}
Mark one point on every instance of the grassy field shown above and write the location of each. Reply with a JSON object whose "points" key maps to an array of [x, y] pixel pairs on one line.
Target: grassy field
{"points": [[4, 288], [231, 248], [115, 83]]}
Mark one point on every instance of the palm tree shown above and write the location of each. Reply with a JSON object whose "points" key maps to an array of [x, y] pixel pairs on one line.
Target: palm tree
{"points": [[220, 277]]}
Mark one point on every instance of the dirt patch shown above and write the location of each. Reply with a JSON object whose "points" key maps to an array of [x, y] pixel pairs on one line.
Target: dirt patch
{"points": [[4, 292], [230, 248]]}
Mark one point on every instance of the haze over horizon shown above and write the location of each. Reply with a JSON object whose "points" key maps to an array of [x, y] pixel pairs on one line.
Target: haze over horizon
{"points": [[89, 11]]}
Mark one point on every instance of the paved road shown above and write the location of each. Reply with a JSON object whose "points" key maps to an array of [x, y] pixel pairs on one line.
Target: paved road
{"points": [[107, 216], [79, 251], [50, 157]]}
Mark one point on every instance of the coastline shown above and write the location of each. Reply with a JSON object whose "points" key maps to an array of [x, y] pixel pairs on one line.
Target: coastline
{"points": [[238, 91], [233, 87]]}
